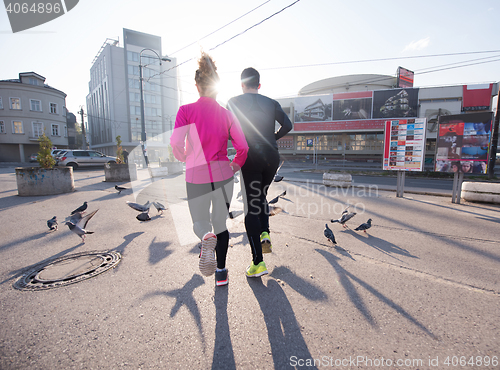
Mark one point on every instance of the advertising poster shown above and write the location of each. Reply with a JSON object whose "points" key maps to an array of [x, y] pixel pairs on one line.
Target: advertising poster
{"points": [[352, 106], [404, 144], [395, 103], [313, 108], [463, 143]]}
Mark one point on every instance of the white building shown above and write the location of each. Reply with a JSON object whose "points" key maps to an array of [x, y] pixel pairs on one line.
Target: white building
{"points": [[29, 108], [113, 103]]}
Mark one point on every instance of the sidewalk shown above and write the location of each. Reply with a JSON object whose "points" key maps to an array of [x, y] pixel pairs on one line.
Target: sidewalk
{"points": [[407, 293]]}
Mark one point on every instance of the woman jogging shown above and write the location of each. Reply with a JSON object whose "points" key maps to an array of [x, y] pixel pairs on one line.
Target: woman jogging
{"points": [[200, 137]]}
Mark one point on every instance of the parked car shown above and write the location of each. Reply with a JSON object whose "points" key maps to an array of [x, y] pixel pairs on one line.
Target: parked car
{"points": [[231, 153], [84, 158], [33, 157], [55, 152]]}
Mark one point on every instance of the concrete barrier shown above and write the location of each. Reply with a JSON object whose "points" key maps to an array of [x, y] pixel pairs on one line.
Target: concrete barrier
{"points": [[158, 171], [481, 192], [33, 181], [337, 179], [120, 172]]}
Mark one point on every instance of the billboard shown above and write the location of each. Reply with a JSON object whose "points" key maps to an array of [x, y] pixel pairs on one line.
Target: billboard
{"points": [[395, 103], [352, 106], [404, 144], [463, 144], [313, 108]]}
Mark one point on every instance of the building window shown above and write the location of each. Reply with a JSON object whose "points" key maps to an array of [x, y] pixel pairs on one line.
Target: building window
{"points": [[15, 103], [17, 127], [33, 81], [37, 129], [154, 112], [135, 96], [133, 70], [132, 56], [36, 105], [65, 131], [133, 83], [2, 128], [150, 99], [55, 130], [53, 108], [1, 103], [135, 110]]}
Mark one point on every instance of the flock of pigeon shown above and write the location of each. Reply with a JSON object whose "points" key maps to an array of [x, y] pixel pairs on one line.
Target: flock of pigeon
{"points": [[78, 220], [346, 216]]}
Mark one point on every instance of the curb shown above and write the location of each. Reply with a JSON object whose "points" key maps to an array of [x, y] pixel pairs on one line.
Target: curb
{"points": [[383, 188]]}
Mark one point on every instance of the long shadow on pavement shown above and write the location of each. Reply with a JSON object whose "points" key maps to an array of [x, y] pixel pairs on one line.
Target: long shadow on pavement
{"points": [[184, 297], [346, 279], [298, 284], [283, 330], [381, 245], [223, 357], [18, 273]]}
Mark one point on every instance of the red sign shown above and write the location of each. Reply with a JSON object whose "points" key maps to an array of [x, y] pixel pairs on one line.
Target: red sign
{"points": [[405, 78], [370, 124], [476, 97]]}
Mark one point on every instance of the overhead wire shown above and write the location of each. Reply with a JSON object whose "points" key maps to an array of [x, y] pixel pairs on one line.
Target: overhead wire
{"points": [[220, 28], [233, 37]]}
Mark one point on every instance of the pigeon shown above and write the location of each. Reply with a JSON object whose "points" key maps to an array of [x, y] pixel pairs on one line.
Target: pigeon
{"points": [[139, 207], [52, 223], [274, 210], [119, 189], [329, 234], [278, 178], [159, 207], [364, 226], [274, 200], [144, 216], [78, 223], [82, 208], [346, 216]]}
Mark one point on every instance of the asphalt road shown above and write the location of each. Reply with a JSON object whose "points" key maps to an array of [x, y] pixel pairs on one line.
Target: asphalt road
{"points": [[420, 183], [420, 290]]}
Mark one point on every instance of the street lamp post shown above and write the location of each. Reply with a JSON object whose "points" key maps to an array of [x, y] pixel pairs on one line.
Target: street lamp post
{"points": [[143, 123]]}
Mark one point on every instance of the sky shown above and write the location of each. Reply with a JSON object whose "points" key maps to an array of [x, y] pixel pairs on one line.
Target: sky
{"points": [[292, 43]]}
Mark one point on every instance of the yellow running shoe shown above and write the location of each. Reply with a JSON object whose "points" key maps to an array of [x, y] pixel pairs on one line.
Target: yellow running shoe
{"points": [[256, 271], [265, 241]]}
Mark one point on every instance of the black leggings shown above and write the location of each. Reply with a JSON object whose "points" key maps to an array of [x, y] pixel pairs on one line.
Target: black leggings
{"points": [[258, 172], [200, 198]]}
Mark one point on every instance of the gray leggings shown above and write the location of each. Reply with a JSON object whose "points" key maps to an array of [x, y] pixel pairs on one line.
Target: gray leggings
{"points": [[218, 195]]}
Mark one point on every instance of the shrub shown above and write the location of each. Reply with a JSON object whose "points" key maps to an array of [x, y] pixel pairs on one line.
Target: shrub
{"points": [[44, 157], [119, 150]]}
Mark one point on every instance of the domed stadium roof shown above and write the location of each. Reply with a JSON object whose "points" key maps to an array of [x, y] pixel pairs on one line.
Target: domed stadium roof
{"points": [[349, 83]]}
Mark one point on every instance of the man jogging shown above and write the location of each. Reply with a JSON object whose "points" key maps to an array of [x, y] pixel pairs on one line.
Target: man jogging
{"points": [[257, 115]]}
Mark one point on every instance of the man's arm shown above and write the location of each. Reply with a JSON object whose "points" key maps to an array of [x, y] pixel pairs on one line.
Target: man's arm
{"points": [[283, 120]]}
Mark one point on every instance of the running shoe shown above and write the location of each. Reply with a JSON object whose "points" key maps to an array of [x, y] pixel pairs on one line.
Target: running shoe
{"points": [[221, 277], [257, 270], [265, 240], [208, 263]]}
